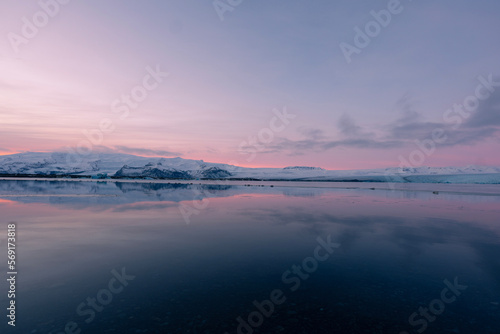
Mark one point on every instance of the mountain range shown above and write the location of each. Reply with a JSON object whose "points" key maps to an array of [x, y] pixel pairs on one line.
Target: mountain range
{"points": [[118, 165]]}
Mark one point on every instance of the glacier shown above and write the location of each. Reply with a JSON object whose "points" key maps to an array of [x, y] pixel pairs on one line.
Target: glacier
{"points": [[119, 165]]}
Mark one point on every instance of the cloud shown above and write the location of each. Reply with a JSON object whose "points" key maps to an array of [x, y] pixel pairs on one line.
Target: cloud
{"points": [[481, 124], [312, 133], [348, 127], [145, 151], [297, 147], [406, 107], [487, 114], [362, 143], [478, 125]]}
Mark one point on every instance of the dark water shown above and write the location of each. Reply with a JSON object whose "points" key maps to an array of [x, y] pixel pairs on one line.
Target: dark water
{"points": [[164, 258]]}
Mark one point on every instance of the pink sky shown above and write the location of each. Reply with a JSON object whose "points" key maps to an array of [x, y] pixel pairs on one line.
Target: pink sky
{"points": [[227, 79]]}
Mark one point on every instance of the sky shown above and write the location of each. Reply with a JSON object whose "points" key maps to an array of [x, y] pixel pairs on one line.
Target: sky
{"points": [[335, 84]]}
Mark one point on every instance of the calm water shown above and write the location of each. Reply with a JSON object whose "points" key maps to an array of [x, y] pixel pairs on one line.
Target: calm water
{"points": [[163, 258]]}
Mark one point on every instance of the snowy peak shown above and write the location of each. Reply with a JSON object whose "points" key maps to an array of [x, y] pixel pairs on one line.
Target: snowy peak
{"points": [[130, 166], [118, 165], [159, 171]]}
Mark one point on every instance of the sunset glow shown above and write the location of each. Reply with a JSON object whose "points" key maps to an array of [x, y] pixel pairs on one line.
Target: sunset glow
{"points": [[172, 79]]}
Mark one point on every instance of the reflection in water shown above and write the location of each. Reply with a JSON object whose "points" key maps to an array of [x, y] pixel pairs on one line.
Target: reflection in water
{"points": [[396, 249]]}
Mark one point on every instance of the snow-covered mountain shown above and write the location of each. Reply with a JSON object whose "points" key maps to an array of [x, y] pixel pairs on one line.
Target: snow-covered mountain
{"points": [[131, 166], [112, 164]]}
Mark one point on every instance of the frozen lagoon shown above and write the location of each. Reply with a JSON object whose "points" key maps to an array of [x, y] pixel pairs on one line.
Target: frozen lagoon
{"points": [[396, 251]]}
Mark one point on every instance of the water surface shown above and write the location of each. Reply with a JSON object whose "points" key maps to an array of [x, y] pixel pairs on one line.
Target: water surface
{"points": [[198, 256]]}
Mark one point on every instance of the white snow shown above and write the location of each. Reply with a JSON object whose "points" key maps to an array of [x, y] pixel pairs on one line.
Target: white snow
{"points": [[46, 163]]}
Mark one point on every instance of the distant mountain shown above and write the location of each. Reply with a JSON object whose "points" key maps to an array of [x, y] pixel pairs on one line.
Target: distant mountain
{"points": [[303, 168], [118, 165]]}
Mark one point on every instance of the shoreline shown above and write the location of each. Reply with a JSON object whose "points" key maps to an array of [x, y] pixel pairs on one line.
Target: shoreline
{"points": [[456, 188]]}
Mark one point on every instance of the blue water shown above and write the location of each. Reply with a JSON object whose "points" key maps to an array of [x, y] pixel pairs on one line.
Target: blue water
{"points": [[171, 258]]}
